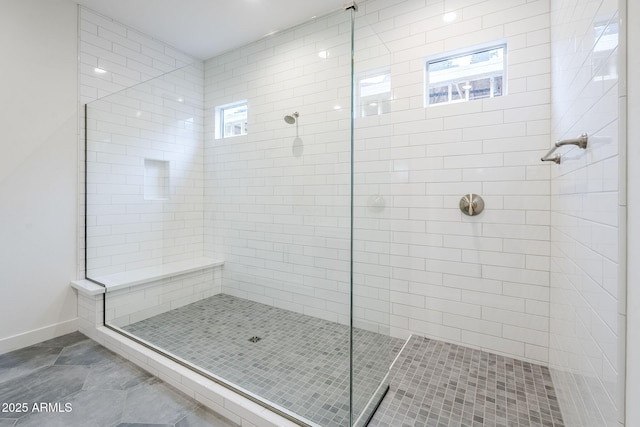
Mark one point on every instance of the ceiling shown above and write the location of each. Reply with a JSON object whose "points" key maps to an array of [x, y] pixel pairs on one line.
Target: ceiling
{"points": [[206, 28]]}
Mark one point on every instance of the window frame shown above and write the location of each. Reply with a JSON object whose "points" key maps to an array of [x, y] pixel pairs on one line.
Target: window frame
{"points": [[220, 124], [454, 54]]}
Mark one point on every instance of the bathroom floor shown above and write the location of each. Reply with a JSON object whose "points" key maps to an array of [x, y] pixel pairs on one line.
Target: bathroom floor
{"points": [[300, 363], [432, 384], [82, 384], [437, 384]]}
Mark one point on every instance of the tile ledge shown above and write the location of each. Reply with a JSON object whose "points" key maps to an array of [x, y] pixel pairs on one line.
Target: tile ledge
{"points": [[87, 287], [127, 279]]}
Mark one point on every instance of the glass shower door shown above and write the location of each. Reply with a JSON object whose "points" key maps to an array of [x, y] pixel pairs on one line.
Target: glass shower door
{"points": [[260, 260], [372, 348]]}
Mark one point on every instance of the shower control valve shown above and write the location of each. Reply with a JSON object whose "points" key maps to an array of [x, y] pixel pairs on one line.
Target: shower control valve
{"points": [[471, 204]]}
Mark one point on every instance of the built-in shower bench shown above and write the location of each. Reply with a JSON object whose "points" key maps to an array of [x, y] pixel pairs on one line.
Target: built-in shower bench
{"points": [[138, 294], [141, 276]]}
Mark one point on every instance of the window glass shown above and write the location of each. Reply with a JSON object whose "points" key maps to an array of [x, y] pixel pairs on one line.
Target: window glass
{"points": [[604, 64], [473, 75], [231, 120]]}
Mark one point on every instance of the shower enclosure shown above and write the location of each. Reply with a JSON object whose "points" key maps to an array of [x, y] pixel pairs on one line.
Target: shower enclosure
{"points": [[248, 249]]}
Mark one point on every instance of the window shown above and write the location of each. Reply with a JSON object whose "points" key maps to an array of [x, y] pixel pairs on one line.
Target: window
{"points": [[475, 74], [604, 65], [374, 92], [231, 120]]}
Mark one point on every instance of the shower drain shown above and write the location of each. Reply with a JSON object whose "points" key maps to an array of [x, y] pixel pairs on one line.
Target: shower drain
{"points": [[255, 339]]}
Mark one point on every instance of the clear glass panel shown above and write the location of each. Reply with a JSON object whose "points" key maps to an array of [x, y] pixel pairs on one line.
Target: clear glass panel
{"points": [[145, 157], [372, 346], [233, 255], [373, 92]]}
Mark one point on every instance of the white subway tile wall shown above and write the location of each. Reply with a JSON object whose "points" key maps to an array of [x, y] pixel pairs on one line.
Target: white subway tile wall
{"points": [[448, 276], [131, 305], [114, 57], [128, 124], [480, 281], [276, 201], [584, 333], [129, 224]]}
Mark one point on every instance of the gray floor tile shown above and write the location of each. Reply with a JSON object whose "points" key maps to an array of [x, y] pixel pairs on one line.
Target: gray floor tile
{"points": [[107, 379], [300, 363], [84, 353], [155, 402], [94, 408], [202, 417], [143, 425], [51, 384], [63, 341], [26, 360], [440, 384], [432, 384], [115, 373]]}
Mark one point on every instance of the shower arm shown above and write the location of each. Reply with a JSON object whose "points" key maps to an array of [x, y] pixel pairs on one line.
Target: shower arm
{"points": [[581, 142]]}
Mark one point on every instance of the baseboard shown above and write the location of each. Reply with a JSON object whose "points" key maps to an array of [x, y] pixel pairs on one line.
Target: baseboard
{"points": [[26, 339]]}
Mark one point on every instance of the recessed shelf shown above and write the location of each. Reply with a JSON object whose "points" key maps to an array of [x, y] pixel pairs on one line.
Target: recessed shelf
{"points": [[156, 179]]}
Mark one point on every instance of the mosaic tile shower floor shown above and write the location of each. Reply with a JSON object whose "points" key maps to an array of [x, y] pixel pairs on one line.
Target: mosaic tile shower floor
{"points": [[301, 363], [437, 384]]}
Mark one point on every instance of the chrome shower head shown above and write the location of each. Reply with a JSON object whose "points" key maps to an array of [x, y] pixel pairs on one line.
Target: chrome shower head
{"points": [[292, 118]]}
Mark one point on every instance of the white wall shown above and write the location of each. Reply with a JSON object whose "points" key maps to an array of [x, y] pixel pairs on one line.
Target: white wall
{"points": [[479, 281], [585, 294], [280, 217], [633, 225], [38, 170], [158, 120], [136, 220], [128, 56]]}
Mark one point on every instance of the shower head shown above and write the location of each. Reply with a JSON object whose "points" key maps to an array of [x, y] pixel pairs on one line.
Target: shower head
{"points": [[292, 118]]}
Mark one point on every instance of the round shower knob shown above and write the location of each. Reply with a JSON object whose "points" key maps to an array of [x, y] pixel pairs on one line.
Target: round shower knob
{"points": [[471, 204]]}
